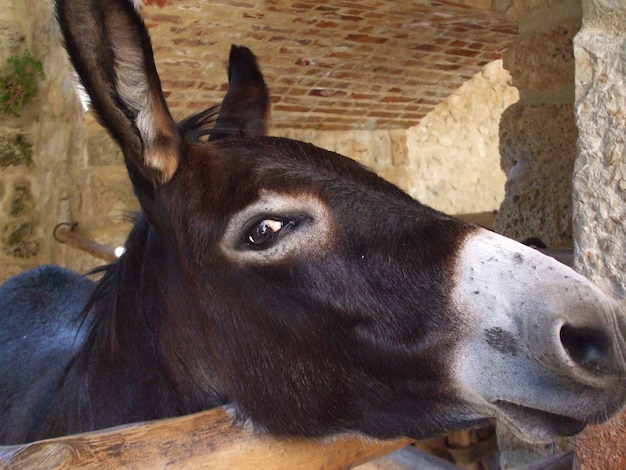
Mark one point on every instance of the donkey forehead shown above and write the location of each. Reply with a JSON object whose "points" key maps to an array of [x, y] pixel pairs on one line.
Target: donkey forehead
{"points": [[273, 157], [240, 168]]}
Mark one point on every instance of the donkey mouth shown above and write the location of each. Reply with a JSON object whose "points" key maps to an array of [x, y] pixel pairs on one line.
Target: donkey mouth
{"points": [[537, 425]]}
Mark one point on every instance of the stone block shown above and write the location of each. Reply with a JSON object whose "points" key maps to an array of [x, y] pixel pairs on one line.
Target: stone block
{"points": [[101, 148], [16, 148], [542, 61], [11, 40], [454, 150], [20, 240], [538, 148], [539, 15], [21, 202], [605, 15], [107, 195]]}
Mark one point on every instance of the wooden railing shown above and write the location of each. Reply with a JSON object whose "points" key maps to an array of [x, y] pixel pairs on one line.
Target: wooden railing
{"points": [[206, 440]]}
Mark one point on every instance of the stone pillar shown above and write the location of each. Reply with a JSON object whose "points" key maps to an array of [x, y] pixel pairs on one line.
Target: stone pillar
{"points": [[538, 148], [600, 172], [600, 184], [538, 133]]}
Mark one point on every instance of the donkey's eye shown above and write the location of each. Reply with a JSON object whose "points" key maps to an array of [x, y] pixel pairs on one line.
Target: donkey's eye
{"points": [[263, 232]]}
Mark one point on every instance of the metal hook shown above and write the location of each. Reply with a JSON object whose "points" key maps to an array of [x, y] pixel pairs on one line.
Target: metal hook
{"points": [[72, 226]]}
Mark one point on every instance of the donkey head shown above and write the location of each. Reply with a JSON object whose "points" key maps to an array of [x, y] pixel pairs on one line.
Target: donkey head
{"points": [[319, 298]]}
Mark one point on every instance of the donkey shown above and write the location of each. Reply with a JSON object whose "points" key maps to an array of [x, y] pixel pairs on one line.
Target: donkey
{"points": [[291, 283]]}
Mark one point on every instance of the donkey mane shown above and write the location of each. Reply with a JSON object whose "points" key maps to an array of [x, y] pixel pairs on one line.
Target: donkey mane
{"points": [[104, 301], [198, 125]]}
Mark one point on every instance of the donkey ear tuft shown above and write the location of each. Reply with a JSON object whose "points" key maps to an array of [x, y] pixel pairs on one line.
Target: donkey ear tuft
{"points": [[110, 49]]}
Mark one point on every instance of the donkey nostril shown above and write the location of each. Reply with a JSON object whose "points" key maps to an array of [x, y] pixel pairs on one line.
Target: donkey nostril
{"points": [[588, 347]]}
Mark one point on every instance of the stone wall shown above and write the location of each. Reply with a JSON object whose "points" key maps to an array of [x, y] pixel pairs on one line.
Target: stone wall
{"points": [[103, 202], [600, 184], [38, 147], [454, 151], [450, 160]]}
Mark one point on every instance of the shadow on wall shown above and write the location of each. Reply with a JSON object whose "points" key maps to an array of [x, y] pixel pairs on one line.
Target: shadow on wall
{"points": [[451, 159]]}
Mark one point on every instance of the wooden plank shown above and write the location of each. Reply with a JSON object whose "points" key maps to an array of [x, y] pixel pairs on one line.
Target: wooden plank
{"points": [[206, 440]]}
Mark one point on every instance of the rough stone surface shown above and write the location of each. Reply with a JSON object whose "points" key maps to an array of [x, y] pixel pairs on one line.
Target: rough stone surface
{"points": [[15, 149], [21, 201], [538, 146], [20, 240], [600, 185], [600, 173], [518, 10], [543, 61], [39, 147], [454, 151], [10, 35], [534, 16]]}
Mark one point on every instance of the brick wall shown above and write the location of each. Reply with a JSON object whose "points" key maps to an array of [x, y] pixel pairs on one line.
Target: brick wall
{"points": [[350, 64]]}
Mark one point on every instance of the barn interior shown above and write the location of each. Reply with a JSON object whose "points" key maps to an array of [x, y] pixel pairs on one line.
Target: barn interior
{"points": [[510, 110]]}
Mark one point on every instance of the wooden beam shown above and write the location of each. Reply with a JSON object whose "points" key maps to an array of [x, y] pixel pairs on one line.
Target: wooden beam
{"points": [[206, 440]]}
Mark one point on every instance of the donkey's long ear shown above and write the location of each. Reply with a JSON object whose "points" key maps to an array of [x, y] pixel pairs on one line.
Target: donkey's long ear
{"points": [[110, 49], [245, 109]]}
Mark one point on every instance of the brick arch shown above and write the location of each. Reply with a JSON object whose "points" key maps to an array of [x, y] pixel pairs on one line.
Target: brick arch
{"points": [[350, 64]]}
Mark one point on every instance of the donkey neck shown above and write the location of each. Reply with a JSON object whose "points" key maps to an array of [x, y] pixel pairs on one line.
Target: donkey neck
{"points": [[142, 320]]}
